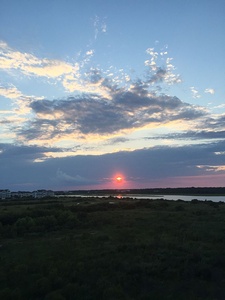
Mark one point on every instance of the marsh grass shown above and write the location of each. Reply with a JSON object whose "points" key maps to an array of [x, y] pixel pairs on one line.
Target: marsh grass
{"points": [[132, 249]]}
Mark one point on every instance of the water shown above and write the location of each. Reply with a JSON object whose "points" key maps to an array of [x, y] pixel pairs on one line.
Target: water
{"points": [[149, 196], [178, 197]]}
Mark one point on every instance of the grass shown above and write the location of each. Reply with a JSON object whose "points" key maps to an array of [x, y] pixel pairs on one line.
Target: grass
{"points": [[142, 249]]}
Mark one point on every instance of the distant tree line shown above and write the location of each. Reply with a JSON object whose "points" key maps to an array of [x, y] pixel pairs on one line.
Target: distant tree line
{"points": [[156, 191]]}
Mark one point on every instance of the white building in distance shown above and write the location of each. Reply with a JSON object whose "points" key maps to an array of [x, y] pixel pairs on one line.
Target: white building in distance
{"points": [[5, 194]]}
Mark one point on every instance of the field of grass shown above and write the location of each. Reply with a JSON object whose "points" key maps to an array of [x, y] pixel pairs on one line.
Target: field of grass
{"points": [[112, 249]]}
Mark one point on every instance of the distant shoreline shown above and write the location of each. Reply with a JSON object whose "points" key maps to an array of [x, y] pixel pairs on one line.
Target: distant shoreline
{"points": [[189, 191]]}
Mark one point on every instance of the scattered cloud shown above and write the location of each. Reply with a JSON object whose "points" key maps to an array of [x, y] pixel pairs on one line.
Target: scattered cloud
{"points": [[195, 92], [99, 26], [159, 73], [210, 91], [79, 77]]}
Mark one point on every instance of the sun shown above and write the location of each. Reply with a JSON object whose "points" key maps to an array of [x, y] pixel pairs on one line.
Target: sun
{"points": [[119, 179]]}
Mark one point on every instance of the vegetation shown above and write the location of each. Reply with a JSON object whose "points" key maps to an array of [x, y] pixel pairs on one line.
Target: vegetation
{"points": [[112, 249]]}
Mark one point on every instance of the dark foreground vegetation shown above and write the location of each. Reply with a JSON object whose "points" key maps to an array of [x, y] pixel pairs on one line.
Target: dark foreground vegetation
{"points": [[112, 249]]}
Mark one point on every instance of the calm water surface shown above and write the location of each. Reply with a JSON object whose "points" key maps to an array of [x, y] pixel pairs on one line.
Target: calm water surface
{"points": [[179, 197], [166, 197]]}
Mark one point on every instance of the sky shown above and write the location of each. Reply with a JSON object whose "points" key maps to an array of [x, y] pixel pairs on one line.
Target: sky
{"points": [[91, 90]]}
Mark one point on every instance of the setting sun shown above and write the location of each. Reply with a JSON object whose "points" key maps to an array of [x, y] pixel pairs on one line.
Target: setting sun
{"points": [[119, 179]]}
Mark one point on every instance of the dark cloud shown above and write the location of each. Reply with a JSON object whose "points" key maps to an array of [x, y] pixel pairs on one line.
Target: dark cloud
{"points": [[94, 75], [214, 123], [18, 168], [140, 88], [147, 166], [42, 128], [116, 140], [4, 121], [159, 76], [17, 150], [193, 135], [94, 114]]}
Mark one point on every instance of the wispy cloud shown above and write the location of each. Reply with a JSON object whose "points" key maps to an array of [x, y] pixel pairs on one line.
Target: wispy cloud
{"points": [[195, 92], [99, 26], [32, 65], [13, 120], [62, 177], [210, 91], [208, 168], [10, 92], [192, 135]]}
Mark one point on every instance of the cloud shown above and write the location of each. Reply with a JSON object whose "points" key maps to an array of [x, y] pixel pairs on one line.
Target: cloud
{"points": [[76, 180], [116, 140], [20, 102], [160, 166], [159, 73], [77, 76], [10, 92], [210, 91], [94, 75], [152, 62], [192, 135], [214, 122], [90, 52], [30, 65], [29, 153], [108, 104], [99, 26], [68, 74], [14, 119], [219, 106], [195, 93], [212, 169], [93, 114]]}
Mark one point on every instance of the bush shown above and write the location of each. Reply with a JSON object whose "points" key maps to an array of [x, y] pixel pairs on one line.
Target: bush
{"points": [[24, 225], [55, 295]]}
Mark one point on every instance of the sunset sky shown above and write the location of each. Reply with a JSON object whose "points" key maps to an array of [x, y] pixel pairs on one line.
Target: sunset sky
{"points": [[93, 90]]}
